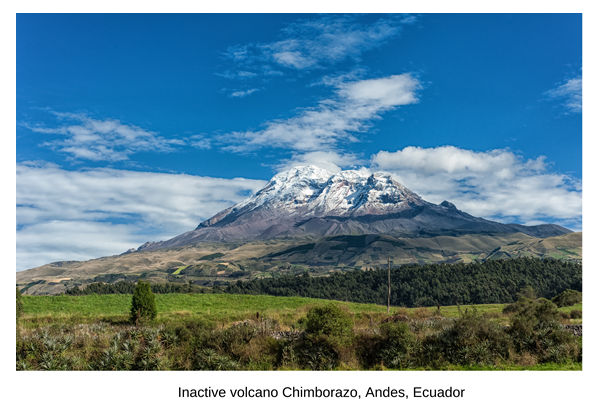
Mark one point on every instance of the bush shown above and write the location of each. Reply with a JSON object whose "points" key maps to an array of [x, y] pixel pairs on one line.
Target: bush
{"points": [[143, 305], [393, 346], [535, 328], [472, 339], [135, 349], [183, 341], [397, 345], [328, 334], [45, 350], [317, 353], [576, 314], [210, 360], [567, 298], [332, 321]]}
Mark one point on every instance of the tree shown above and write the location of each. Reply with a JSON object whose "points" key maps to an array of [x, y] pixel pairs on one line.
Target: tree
{"points": [[143, 305], [19, 304], [330, 320]]}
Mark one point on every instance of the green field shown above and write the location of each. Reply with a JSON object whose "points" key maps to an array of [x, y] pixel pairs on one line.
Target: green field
{"points": [[201, 331], [222, 308]]}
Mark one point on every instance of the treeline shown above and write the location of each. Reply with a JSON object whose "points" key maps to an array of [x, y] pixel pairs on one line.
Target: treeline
{"points": [[494, 281], [127, 287]]}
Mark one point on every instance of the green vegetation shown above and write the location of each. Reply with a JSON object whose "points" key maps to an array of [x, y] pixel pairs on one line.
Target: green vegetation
{"points": [[102, 288], [211, 256], [567, 298], [225, 332], [179, 269], [214, 308], [143, 305], [493, 281]]}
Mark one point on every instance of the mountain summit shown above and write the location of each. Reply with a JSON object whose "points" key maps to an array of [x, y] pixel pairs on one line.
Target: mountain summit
{"points": [[311, 191], [309, 201]]}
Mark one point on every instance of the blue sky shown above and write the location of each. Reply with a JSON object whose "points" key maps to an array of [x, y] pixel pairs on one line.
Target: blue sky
{"points": [[136, 127]]}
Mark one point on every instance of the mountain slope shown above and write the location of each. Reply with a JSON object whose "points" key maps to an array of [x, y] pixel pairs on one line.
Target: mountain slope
{"points": [[213, 263], [311, 202]]}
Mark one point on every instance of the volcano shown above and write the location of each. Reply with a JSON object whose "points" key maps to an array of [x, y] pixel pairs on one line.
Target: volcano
{"points": [[311, 202]]}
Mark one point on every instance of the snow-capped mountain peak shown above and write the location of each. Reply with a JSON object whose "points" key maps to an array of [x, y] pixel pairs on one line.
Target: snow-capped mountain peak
{"points": [[313, 191], [312, 202]]}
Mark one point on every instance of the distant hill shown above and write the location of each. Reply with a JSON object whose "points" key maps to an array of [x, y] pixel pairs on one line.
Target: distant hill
{"points": [[216, 263]]}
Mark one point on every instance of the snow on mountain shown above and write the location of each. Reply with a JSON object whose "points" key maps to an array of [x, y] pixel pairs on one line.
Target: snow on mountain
{"points": [[312, 202], [313, 191]]}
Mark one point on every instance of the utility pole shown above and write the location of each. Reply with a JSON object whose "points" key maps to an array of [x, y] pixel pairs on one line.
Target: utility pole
{"points": [[389, 282]]}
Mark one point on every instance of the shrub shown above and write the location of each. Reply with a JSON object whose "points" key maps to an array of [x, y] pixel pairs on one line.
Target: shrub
{"points": [[535, 328], [184, 340], [367, 346], [576, 314], [567, 298], [472, 339], [392, 347], [133, 350], [332, 321], [328, 334], [45, 350], [396, 345], [143, 305], [211, 360], [317, 353]]}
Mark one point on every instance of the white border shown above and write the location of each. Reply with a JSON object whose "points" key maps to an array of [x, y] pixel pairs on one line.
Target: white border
{"points": [[98, 392]]}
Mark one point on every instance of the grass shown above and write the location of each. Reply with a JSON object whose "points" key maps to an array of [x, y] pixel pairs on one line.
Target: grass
{"points": [[227, 308], [213, 307], [103, 316], [179, 269], [220, 308]]}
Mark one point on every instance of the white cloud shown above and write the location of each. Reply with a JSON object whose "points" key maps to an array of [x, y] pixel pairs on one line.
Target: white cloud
{"points": [[319, 42], [244, 92], [333, 120], [66, 215], [103, 140], [329, 160], [495, 184], [569, 93], [240, 74]]}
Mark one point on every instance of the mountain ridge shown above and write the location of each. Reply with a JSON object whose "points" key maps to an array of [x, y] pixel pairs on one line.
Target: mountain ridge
{"points": [[308, 201]]}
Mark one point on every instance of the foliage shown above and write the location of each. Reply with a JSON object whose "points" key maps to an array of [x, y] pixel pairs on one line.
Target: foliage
{"points": [[397, 345], [329, 338], [576, 314], [472, 339], [128, 287], [317, 352], [143, 305], [328, 334], [493, 281], [567, 298], [535, 328], [527, 292], [330, 320], [136, 349]]}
